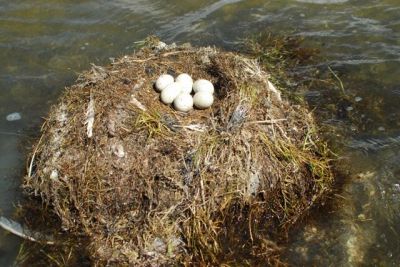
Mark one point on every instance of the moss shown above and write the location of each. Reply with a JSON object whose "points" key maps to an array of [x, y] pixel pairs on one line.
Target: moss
{"points": [[150, 121]]}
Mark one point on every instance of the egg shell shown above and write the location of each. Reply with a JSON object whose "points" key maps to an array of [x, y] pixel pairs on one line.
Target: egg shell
{"points": [[169, 94], [203, 99], [203, 85], [183, 102], [186, 81], [163, 81]]}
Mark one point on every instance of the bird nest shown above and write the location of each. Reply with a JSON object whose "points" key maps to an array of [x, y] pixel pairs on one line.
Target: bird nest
{"points": [[150, 186]]}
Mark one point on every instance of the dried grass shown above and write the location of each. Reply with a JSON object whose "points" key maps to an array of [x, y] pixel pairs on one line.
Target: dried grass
{"points": [[150, 186]]}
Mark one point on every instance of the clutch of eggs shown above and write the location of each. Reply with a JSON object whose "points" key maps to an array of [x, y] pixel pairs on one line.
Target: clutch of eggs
{"points": [[179, 91]]}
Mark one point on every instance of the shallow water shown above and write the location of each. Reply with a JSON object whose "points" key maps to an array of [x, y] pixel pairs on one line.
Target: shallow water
{"points": [[44, 44]]}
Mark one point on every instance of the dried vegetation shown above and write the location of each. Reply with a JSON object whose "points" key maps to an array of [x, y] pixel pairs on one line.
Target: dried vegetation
{"points": [[150, 186]]}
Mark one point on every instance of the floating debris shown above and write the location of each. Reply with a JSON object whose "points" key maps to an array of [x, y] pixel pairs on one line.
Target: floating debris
{"points": [[15, 116], [18, 230], [396, 92]]}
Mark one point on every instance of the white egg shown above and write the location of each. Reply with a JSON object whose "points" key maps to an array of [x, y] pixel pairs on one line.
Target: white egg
{"points": [[169, 94], [203, 99], [204, 86], [186, 81], [163, 81], [183, 102]]}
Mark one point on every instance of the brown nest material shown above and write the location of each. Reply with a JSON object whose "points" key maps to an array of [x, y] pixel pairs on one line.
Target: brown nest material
{"points": [[151, 186]]}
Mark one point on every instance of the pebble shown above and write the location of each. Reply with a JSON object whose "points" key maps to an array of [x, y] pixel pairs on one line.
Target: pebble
{"points": [[349, 108], [397, 187], [358, 99], [160, 46], [16, 116], [118, 150], [54, 175], [362, 217]]}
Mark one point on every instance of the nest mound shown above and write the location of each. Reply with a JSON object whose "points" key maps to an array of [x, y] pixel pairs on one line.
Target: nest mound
{"points": [[151, 186]]}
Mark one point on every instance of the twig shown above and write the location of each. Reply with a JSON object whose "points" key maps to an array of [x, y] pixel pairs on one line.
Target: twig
{"points": [[267, 121], [193, 127], [141, 60], [33, 158], [337, 77], [17, 229], [273, 89], [136, 102], [250, 231], [202, 190], [90, 117], [178, 52]]}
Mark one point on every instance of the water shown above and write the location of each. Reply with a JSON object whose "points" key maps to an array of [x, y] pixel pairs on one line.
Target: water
{"points": [[44, 44]]}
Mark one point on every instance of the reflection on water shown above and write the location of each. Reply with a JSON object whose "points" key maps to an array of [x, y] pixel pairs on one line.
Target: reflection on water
{"points": [[364, 231], [45, 43], [10, 164]]}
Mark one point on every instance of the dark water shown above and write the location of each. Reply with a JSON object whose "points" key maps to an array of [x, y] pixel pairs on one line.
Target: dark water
{"points": [[45, 43]]}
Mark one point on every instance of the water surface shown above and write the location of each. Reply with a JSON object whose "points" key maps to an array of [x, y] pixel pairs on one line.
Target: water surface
{"points": [[44, 44]]}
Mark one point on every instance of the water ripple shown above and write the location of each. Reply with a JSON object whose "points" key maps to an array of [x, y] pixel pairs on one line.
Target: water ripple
{"points": [[323, 1], [189, 21]]}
